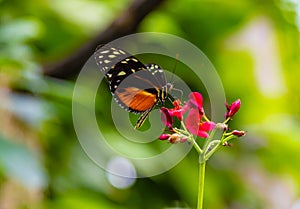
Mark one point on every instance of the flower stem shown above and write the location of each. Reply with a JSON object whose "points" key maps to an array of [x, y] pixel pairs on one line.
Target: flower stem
{"points": [[201, 184], [196, 146], [205, 118]]}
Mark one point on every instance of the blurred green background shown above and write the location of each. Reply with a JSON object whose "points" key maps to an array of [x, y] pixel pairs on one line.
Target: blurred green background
{"points": [[254, 46]]}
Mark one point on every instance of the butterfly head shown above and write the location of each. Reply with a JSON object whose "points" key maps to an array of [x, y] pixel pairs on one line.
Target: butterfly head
{"points": [[164, 92], [169, 87]]}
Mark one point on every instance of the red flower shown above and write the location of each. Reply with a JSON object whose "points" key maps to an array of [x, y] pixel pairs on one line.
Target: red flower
{"points": [[195, 126], [196, 101], [168, 114], [178, 110], [232, 109], [166, 117], [193, 120]]}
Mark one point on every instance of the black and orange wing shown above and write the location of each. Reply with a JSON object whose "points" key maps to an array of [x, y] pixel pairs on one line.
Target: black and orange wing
{"points": [[133, 85]]}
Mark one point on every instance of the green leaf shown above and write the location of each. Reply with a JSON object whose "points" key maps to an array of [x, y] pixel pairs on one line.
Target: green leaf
{"points": [[20, 30], [20, 163]]}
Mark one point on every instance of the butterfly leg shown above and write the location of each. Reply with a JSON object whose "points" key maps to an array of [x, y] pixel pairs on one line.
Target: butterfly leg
{"points": [[177, 94], [142, 118]]}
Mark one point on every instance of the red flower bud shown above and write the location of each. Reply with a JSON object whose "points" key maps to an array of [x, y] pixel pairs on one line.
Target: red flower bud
{"points": [[164, 136], [223, 126], [166, 117], [232, 109], [174, 138], [177, 111], [238, 133], [184, 139], [176, 104], [226, 144]]}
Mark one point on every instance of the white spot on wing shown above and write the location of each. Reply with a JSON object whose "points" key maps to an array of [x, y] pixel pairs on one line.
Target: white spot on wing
{"points": [[104, 52], [121, 51], [121, 73]]}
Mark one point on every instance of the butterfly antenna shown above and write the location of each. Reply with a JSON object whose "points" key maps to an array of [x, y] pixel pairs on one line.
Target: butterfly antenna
{"points": [[172, 77], [180, 92], [173, 72]]}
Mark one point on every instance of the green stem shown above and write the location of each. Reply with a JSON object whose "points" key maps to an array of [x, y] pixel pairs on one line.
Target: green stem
{"points": [[205, 118], [201, 184], [196, 146], [227, 120], [212, 151], [228, 138]]}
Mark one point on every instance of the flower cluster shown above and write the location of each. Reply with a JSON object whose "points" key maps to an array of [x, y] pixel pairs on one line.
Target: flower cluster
{"points": [[193, 119], [194, 122]]}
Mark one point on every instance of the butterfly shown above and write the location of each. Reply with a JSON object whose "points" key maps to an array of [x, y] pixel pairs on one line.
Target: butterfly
{"points": [[136, 87]]}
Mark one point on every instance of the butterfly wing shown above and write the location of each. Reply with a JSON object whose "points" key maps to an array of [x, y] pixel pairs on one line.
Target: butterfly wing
{"points": [[116, 64], [158, 74], [133, 86]]}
